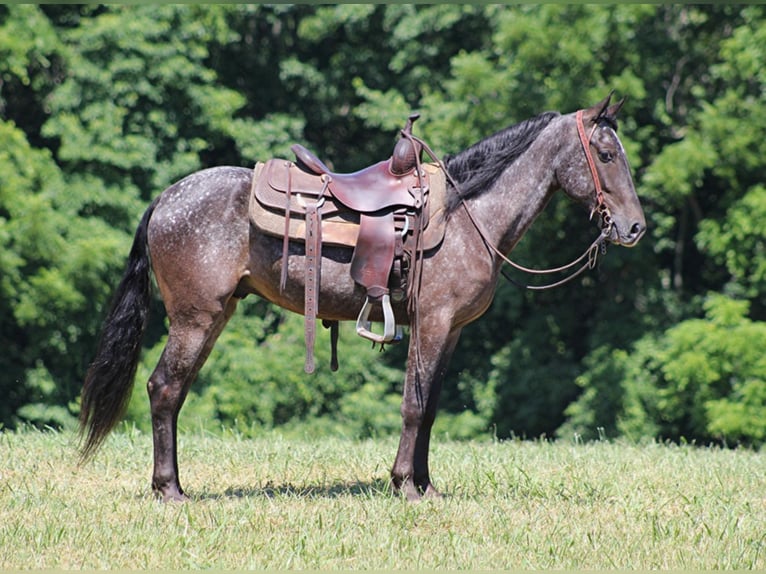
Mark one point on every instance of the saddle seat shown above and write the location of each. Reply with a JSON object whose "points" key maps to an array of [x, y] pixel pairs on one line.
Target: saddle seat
{"points": [[371, 189], [380, 186]]}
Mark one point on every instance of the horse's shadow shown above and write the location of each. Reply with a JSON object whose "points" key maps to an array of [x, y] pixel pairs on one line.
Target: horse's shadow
{"points": [[364, 489]]}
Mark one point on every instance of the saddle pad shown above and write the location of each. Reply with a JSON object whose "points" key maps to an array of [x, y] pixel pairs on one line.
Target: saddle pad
{"points": [[340, 226]]}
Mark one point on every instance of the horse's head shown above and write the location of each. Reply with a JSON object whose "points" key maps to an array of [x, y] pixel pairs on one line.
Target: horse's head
{"points": [[597, 173]]}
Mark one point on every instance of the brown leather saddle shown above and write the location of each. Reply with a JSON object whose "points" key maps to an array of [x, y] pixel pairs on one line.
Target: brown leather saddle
{"points": [[378, 211]]}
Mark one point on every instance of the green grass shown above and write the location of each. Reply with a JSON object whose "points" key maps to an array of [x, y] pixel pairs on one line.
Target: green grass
{"points": [[325, 504]]}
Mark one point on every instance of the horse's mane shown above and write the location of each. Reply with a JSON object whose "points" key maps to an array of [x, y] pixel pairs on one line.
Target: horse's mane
{"points": [[476, 168]]}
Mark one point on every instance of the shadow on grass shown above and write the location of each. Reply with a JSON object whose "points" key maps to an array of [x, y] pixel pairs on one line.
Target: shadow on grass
{"points": [[371, 489]]}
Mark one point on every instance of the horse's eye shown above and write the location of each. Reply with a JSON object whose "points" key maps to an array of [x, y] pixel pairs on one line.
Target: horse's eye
{"points": [[605, 156]]}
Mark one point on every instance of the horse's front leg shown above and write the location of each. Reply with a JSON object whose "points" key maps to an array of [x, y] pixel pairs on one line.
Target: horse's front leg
{"points": [[422, 386]]}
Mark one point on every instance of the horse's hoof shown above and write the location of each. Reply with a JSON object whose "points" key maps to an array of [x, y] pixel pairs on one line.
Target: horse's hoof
{"points": [[407, 489], [171, 495], [414, 493], [175, 497], [432, 493]]}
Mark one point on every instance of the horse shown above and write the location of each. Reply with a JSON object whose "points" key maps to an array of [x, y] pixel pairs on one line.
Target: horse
{"points": [[197, 239]]}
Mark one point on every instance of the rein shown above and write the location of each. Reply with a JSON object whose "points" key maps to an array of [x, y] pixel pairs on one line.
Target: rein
{"points": [[591, 253]]}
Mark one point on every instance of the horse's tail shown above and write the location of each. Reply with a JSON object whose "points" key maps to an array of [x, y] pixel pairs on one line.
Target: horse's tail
{"points": [[109, 380]]}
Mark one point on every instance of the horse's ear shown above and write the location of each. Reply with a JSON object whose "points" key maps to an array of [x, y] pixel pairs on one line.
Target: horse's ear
{"points": [[597, 111], [613, 110]]}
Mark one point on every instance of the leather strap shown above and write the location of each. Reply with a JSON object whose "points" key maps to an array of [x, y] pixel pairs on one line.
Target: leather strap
{"points": [[333, 326], [286, 236], [313, 273], [585, 142], [374, 253]]}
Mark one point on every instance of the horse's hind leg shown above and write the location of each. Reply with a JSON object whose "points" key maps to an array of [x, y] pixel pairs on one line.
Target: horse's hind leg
{"points": [[190, 340]]}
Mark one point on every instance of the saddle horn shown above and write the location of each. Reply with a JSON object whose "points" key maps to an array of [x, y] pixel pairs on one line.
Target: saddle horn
{"points": [[406, 150]]}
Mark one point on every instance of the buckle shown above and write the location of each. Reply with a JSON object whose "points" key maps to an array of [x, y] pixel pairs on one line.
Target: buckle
{"points": [[302, 202]]}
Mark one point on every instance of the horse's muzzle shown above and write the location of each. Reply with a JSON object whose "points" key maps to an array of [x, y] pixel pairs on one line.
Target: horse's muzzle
{"points": [[630, 238]]}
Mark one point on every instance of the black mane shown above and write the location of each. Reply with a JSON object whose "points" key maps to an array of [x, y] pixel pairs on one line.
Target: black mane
{"points": [[475, 168]]}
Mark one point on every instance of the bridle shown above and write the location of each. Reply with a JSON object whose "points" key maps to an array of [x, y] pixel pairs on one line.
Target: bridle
{"points": [[591, 253], [600, 207]]}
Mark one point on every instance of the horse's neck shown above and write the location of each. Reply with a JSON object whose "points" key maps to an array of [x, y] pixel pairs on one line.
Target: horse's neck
{"points": [[520, 194]]}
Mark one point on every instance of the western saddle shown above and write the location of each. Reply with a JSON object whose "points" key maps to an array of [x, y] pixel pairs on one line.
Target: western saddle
{"points": [[376, 211]]}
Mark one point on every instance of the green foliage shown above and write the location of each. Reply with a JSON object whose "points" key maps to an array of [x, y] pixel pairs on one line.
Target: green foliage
{"points": [[26, 44], [55, 280], [738, 242], [703, 379], [101, 107], [140, 106]]}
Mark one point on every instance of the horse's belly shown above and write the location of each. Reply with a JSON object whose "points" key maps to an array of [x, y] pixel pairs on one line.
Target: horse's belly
{"points": [[340, 298]]}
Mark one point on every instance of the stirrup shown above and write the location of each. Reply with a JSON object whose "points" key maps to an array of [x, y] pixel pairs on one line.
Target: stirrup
{"points": [[392, 333]]}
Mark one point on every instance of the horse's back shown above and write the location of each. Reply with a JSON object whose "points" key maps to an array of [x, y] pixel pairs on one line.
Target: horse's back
{"points": [[198, 235], [221, 190]]}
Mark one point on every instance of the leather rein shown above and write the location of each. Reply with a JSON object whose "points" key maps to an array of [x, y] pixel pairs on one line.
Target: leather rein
{"points": [[591, 253]]}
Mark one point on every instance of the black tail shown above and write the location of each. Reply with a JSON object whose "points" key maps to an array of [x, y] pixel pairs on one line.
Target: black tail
{"points": [[109, 380]]}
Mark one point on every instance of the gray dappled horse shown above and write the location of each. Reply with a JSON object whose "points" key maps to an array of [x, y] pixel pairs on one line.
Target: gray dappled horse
{"points": [[206, 256]]}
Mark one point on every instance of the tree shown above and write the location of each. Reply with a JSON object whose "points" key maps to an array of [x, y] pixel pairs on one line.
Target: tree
{"points": [[104, 106], [707, 191], [702, 380]]}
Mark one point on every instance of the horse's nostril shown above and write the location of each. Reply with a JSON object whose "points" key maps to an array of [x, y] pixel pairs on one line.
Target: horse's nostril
{"points": [[636, 229]]}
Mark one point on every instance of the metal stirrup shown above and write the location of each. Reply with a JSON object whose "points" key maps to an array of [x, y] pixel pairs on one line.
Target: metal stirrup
{"points": [[392, 333]]}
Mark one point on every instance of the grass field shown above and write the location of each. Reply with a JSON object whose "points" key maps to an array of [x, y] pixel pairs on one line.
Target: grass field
{"points": [[310, 504]]}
